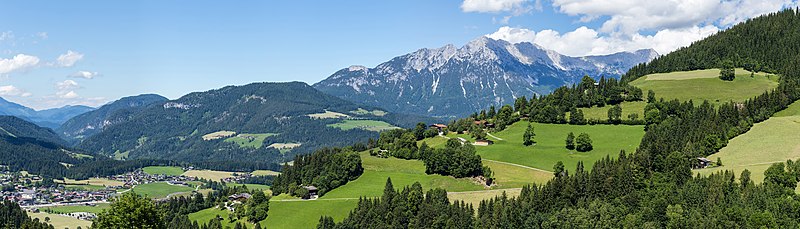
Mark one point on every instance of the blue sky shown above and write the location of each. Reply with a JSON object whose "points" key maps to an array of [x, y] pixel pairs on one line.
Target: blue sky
{"points": [[111, 49]]}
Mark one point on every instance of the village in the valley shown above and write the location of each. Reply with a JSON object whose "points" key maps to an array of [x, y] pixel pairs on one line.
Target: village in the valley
{"points": [[35, 194]]}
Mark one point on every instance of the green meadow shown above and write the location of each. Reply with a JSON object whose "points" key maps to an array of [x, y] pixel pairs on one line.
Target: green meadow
{"points": [[166, 170], [160, 189], [250, 140], [371, 125], [306, 213], [705, 85], [205, 215], [601, 113], [78, 208], [772, 141], [550, 145]]}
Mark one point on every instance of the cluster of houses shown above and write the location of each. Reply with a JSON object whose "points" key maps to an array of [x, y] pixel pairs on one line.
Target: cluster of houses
{"points": [[237, 177], [139, 177], [31, 196], [442, 128]]}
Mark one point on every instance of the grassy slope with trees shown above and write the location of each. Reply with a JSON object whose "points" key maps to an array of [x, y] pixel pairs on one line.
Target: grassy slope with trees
{"points": [[772, 141]]}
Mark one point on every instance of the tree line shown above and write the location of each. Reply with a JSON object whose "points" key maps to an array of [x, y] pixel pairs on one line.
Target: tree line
{"points": [[325, 169]]}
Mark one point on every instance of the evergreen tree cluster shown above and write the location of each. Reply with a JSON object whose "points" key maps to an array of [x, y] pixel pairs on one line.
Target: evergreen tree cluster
{"points": [[325, 169], [13, 217], [409, 208]]}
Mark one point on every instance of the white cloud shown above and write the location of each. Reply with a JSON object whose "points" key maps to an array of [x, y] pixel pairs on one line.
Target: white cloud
{"points": [[11, 90], [629, 17], [584, 41], [84, 74], [495, 6], [68, 95], [68, 59], [67, 85], [18, 62], [42, 35]]}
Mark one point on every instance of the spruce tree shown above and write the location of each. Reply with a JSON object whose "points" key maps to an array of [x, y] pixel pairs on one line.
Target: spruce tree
{"points": [[527, 138], [570, 141]]}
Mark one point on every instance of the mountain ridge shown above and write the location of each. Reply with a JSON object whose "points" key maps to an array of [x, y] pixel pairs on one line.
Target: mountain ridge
{"points": [[453, 82], [51, 118]]}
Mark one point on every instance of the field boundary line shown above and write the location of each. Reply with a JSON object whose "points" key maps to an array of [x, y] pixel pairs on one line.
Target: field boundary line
{"points": [[293, 200], [518, 165], [495, 137], [488, 190]]}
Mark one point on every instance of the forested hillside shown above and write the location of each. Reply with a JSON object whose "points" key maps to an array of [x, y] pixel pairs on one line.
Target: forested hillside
{"points": [[768, 43], [91, 123], [24, 146], [251, 126]]}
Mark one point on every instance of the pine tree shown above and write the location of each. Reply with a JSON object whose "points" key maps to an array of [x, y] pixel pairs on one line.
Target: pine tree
{"points": [[527, 138], [570, 141]]}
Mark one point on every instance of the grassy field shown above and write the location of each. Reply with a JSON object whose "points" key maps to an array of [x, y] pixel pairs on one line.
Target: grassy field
{"points": [[550, 146], [250, 186], [601, 113], [306, 214], [289, 212], [79, 208], [166, 170], [265, 173], [402, 172], [362, 111], [208, 174], [250, 140], [774, 140], [328, 114], [59, 221], [284, 147], [160, 189], [96, 182], [704, 85], [205, 215], [218, 135], [475, 197], [515, 176], [370, 125]]}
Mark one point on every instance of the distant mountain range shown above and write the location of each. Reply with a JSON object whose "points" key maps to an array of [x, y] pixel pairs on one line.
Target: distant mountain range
{"points": [[50, 118], [92, 122], [454, 82]]}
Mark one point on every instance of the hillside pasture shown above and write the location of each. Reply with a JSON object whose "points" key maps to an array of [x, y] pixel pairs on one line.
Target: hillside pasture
{"points": [[160, 189], [218, 135], [327, 114], [250, 140], [306, 213], [206, 215], [79, 208], [370, 125], [402, 172], [550, 148], [772, 141], [208, 174], [705, 85], [102, 182], [601, 113], [475, 197], [265, 173], [362, 111], [60, 221], [166, 170]]}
